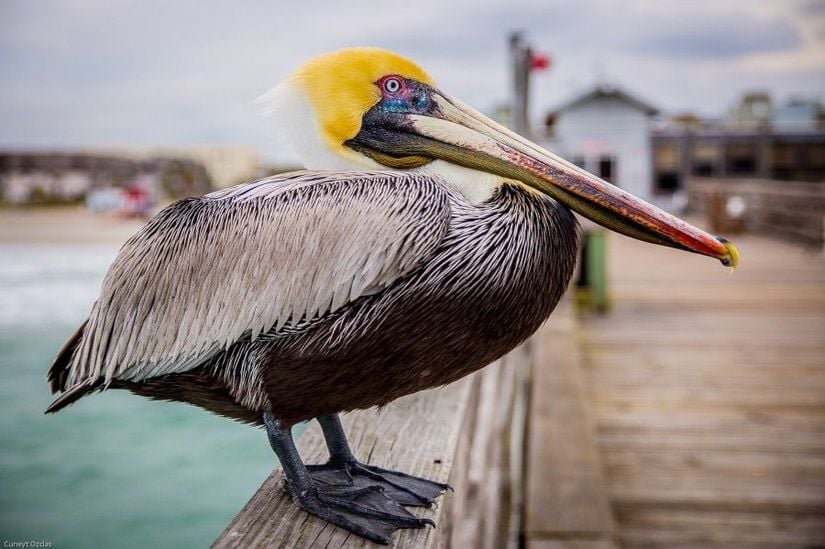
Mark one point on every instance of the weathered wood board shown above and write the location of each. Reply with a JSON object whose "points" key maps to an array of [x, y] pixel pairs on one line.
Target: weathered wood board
{"points": [[708, 392], [567, 500]]}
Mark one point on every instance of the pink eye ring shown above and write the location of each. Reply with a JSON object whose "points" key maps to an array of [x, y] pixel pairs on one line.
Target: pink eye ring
{"points": [[392, 84]]}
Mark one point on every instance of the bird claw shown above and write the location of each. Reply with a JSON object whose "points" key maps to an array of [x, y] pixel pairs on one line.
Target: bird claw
{"points": [[365, 511], [402, 488]]}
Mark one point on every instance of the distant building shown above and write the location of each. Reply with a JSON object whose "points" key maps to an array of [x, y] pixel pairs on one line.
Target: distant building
{"points": [[753, 111], [131, 201], [799, 114], [226, 165], [620, 138], [755, 141], [606, 131], [50, 178], [722, 152]]}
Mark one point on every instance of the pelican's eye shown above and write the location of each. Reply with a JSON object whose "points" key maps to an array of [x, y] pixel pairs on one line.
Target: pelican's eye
{"points": [[392, 85]]}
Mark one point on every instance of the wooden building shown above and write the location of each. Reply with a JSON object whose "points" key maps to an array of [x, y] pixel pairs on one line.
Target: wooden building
{"points": [[606, 131]]}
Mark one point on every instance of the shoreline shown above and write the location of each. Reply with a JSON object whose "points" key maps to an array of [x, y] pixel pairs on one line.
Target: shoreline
{"points": [[63, 225]]}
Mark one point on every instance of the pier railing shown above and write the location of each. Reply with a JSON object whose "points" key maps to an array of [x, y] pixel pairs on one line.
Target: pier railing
{"points": [[514, 440], [794, 210]]}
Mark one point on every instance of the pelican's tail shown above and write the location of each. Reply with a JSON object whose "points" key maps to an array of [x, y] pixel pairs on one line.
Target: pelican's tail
{"points": [[58, 375], [72, 394]]}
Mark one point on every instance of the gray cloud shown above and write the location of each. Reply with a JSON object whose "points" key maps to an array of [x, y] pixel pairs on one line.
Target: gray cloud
{"points": [[813, 7], [715, 39], [186, 72]]}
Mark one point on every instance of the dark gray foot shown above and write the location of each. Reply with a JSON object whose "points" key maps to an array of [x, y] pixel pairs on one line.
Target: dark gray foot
{"points": [[365, 511], [402, 488]]}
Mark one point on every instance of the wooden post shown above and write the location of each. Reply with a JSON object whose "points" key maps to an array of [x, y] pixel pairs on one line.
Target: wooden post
{"points": [[597, 260], [592, 291], [723, 156]]}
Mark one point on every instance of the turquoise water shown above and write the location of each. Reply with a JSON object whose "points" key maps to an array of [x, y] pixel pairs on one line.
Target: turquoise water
{"points": [[114, 470]]}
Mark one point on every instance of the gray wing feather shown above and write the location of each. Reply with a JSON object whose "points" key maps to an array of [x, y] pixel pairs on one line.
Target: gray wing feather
{"points": [[208, 272]]}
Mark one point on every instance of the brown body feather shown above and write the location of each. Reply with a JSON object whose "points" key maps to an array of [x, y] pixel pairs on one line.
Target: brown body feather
{"points": [[496, 276]]}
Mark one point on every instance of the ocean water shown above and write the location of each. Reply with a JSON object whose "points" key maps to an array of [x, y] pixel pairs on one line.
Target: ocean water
{"points": [[114, 470]]}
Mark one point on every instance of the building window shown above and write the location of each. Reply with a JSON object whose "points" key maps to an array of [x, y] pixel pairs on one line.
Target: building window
{"points": [[705, 157], [550, 125], [607, 168], [742, 158], [666, 167], [667, 181]]}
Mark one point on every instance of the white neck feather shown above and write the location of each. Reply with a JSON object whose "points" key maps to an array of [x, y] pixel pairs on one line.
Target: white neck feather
{"points": [[476, 186], [295, 120]]}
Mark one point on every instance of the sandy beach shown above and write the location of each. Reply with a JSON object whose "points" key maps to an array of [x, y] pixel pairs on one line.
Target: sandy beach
{"points": [[64, 225]]}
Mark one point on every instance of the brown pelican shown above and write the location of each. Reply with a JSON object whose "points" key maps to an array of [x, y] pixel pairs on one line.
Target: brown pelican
{"points": [[424, 242]]}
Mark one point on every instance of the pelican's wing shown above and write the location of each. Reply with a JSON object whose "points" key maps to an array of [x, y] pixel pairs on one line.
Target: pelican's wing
{"points": [[208, 272]]}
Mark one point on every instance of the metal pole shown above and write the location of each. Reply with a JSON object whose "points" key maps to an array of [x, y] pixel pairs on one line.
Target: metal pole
{"points": [[520, 57]]}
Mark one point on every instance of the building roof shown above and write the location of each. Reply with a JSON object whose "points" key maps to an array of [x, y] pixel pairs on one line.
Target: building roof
{"points": [[602, 91]]}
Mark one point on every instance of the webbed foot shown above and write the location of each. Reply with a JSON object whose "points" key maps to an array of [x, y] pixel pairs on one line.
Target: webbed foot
{"points": [[365, 511], [361, 507], [402, 488]]}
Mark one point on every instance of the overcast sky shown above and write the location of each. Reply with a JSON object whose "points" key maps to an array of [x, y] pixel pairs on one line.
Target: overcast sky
{"points": [[106, 72]]}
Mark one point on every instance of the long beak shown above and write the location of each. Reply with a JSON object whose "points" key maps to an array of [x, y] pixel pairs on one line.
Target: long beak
{"points": [[459, 134]]}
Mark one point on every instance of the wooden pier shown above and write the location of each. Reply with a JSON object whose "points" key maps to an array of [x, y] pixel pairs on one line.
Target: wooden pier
{"points": [[691, 415], [708, 392]]}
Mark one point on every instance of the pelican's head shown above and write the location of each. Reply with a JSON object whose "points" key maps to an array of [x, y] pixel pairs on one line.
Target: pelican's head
{"points": [[368, 108]]}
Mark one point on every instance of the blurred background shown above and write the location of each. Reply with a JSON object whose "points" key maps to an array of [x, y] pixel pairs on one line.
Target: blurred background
{"points": [[110, 110]]}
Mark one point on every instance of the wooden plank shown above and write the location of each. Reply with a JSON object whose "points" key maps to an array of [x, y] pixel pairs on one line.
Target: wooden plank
{"points": [[810, 396], [566, 497], [686, 298], [646, 527], [569, 544], [717, 479], [790, 330], [695, 360], [417, 434], [719, 427], [709, 397]]}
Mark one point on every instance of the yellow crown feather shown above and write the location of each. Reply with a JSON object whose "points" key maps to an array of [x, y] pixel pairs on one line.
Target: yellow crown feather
{"points": [[341, 87]]}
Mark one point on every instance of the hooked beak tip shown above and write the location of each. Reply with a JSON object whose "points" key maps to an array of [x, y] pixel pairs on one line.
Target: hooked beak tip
{"points": [[731, 257]]}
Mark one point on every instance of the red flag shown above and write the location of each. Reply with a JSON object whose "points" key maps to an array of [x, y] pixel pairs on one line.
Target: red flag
{"points": [[539, 61]]}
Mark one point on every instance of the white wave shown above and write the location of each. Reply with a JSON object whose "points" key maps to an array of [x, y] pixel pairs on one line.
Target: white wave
{"points": [[47, 284]]}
